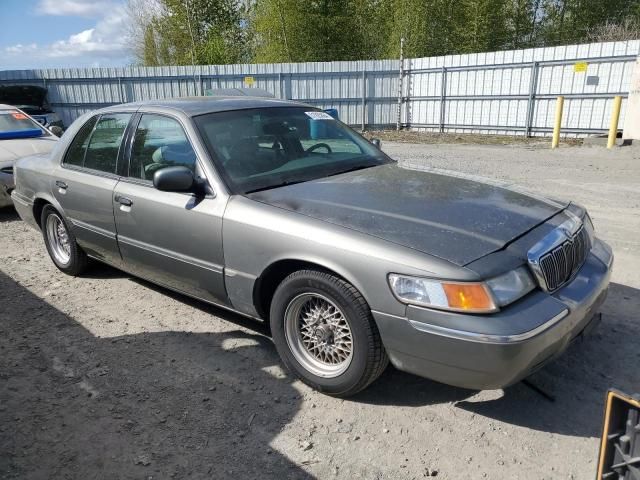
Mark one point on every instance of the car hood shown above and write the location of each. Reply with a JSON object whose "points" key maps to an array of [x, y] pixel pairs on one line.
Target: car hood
{"points": [[455, 217], [11, 150]]}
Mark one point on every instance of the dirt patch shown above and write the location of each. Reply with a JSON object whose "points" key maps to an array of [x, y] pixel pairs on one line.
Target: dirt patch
{"points": [[417, 137]]}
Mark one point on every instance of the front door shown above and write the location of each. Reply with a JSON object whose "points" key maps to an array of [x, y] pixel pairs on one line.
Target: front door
{"points": [[84, 184], [173, 239]]}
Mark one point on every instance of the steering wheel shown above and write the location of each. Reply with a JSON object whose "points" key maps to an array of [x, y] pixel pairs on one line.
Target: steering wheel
{"points": [[319, 145]]}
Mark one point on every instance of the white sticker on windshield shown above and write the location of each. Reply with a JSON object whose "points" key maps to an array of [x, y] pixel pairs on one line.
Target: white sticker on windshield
{"points": [[319, 115]]}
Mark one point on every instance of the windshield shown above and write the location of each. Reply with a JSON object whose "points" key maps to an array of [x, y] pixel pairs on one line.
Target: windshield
{"points": [[265, 148], [15, 124]]}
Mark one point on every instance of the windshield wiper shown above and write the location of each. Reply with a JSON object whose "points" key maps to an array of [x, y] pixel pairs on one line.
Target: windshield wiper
{"points": [[352, 169], [277, 185], [293, 182]]}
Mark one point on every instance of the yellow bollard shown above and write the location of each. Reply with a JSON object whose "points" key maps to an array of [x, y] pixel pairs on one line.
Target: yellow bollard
{"points": [[556, 126], [615, 116]]}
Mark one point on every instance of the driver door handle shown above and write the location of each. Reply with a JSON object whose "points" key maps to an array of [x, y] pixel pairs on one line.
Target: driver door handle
{"points": [[61, 184], [127, 202]]}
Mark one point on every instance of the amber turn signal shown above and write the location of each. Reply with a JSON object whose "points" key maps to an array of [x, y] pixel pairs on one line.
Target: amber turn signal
{"points": [[468, 296]]}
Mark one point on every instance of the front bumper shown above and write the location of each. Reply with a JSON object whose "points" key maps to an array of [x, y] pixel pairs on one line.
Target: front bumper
{"points": [[485, 352]]}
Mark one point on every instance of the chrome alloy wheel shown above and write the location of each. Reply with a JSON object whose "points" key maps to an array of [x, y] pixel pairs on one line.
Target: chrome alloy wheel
{"points": [[58, 238], [318, 334]]}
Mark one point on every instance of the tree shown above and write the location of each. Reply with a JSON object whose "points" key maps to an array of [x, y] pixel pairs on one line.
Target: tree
{"points": [[628, 29], [140, 31], [441, 27], [317, 30], [523, 18], [179, 32], [482, 26], [188, 32], [428, 27], [571, 21]]}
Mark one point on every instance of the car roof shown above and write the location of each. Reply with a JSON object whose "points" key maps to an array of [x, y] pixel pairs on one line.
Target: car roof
{"points": [[193, 106]]}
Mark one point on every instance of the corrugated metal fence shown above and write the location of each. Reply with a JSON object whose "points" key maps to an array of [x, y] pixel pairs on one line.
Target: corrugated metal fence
{"points": [[515, 91], [498, 92]]}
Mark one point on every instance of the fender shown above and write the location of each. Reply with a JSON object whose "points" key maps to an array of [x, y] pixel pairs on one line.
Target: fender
{"points": [[49, 198]]}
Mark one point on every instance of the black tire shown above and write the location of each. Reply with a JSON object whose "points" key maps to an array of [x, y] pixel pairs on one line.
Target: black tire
{"points": [[369, 358], [78, 260]]}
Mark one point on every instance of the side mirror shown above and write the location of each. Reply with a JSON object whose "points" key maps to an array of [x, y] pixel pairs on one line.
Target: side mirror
{"points": [[56, 130], [377, 143], [174, 179]]}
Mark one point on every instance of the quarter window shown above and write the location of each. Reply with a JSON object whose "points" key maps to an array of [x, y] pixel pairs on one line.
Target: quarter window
{"points": [[102, 152], [78, 147], [159, 142]]}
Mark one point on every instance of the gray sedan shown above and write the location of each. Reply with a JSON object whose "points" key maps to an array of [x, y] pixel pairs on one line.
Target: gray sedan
{"points": [[277, 211]]}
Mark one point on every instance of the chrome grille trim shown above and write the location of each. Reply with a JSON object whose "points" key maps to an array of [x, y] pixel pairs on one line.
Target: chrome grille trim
{"points": [[558, 257]]}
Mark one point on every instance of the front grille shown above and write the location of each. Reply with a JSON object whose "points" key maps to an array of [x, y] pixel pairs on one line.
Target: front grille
{"points": [[559, 265]]}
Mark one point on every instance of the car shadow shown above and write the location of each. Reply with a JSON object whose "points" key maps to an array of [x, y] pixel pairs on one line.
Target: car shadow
{"points": [[577, 381], [8, 214], [149, 405], [257, 326]]}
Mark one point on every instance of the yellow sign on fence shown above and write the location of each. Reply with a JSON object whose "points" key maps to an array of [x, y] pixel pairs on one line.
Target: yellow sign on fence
{"points": [[580, 67], [249, 81]]}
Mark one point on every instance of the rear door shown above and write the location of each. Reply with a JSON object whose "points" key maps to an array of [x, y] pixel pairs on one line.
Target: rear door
{"points": [[84, 183], [173, 239]]}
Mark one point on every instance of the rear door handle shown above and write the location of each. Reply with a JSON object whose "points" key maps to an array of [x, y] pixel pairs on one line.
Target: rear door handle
{"points": [[61, 184], [127, 202]]}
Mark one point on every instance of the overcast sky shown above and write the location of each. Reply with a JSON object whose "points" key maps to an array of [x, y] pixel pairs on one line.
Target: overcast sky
{"points": [[62, 33]]}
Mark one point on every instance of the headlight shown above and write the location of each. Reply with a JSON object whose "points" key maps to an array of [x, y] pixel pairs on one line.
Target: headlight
{"points": [[472, 297], [509, 287], [428, 292]]}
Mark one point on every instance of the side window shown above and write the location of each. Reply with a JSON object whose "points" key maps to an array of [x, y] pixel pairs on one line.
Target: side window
{"points": [[78, 147], [159, 142], [102, 152]]}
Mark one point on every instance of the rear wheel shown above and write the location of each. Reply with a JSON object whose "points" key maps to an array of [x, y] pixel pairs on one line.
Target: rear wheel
{"points": [[324, 332], [61, 243]]}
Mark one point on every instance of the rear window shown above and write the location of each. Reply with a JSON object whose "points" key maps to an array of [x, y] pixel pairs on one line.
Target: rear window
{"points": [[97, 143], [15, 124], [102, 152], [78, 148]]}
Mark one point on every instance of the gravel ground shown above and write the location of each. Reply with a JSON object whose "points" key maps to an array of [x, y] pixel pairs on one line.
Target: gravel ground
{"points": [[106, 376]]}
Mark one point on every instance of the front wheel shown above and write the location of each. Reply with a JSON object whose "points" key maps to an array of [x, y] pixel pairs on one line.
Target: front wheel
{"points": [[61, 243], [324, 332]]}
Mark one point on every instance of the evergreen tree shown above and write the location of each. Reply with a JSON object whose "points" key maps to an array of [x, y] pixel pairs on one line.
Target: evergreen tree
{"points": [[522, 22], [318, 30], [183, 32], [482, 26]]}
